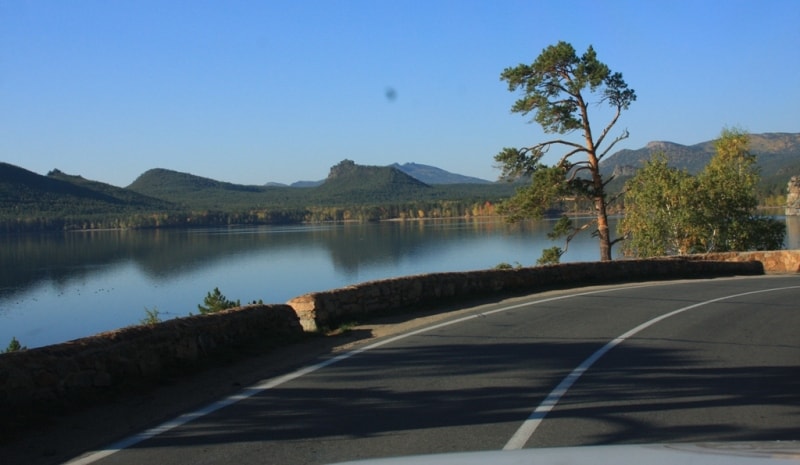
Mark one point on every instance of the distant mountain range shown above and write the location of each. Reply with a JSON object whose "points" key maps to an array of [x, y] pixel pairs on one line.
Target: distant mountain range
{"points": [[25, 195], [347, 183], [160, 189], [778, 156], [30, 201], [433, 175]]}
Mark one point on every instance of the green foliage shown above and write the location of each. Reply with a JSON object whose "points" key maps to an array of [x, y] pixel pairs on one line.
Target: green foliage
{"points": [[728, 183], [564, 228], [14, 346], [215, 301], [547, 186], [507, 266], [556, 89], [661, 211], [669, 211], [554, 84], [550, 256], [153, 316]]}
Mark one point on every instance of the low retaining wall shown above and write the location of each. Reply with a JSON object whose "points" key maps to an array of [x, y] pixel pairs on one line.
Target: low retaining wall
{"points": [[330, 308], [53, 378], [774, 261], [49, 379]]}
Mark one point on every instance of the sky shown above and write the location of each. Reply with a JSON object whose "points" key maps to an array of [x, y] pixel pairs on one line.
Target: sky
{"points": [[252, 92]]}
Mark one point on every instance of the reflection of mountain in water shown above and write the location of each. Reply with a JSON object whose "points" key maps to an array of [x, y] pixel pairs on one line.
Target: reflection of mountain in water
{"points": [[29, 260], [354, 247], [59, 257]]}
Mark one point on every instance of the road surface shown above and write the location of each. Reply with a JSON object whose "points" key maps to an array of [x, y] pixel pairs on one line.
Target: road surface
{"points": [[683, 361]]}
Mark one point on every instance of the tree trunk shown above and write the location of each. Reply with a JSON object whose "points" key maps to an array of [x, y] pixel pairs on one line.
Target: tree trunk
{"points": [[603, 234]]}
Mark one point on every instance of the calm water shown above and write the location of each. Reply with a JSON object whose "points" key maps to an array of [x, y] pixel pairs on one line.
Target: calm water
{"points": [[57, 287]]}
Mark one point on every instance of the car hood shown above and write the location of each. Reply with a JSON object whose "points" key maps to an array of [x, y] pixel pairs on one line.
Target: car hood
{"points": [[738, 453]]}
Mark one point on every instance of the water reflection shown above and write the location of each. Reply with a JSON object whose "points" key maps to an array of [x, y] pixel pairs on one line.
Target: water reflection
{"points": [[55, 287], [160, 254]]}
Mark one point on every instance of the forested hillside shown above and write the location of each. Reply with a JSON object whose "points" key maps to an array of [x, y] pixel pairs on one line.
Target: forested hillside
{"points": [[165, 198], [29, 201]]}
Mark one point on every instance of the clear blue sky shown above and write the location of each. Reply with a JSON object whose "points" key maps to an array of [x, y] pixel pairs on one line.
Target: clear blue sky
{"points": [[251, 91]]}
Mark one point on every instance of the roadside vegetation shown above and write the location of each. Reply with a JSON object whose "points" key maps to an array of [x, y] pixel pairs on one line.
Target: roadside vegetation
{"points": [[666, 210], [560, 88], [14, 346], [215, 301], [669, 211], [152, 317]]}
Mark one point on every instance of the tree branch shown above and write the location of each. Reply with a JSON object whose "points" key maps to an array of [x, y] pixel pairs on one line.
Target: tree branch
{"points": [[575, 172], [571, 153], [615, 241], [574, 233], [542, 145], [608, 128], [622, 136]]}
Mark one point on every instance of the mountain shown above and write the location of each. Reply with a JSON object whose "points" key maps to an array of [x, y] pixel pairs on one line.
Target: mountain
{"points": [[348, 181], [693, 158], [118, 194], [197, 192], [59, 193], [773, 150], [159, 182], [308, 183], [433, 175], [777, 154], [430, 175]]}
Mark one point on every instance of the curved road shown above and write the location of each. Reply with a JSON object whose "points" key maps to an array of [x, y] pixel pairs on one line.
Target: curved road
{"points": [[683, 361]]}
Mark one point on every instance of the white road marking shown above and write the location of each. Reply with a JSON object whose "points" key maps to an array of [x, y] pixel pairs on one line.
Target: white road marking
{"points": [[530, 425], [271, 383]]}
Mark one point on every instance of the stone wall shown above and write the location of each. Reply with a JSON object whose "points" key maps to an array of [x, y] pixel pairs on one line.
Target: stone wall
{"points": [[330, 308], [774, 261], [95, 368], [63, 376]]}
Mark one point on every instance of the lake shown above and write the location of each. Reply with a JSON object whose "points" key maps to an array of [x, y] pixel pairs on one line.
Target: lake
{"points": [[60, 286]]}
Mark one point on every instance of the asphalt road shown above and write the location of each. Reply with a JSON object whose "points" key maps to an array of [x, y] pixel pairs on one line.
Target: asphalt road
{"points": [[701, 360]]}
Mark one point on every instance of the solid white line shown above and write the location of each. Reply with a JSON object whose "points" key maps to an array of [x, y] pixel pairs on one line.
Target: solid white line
{"points": [[530, 425]]}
